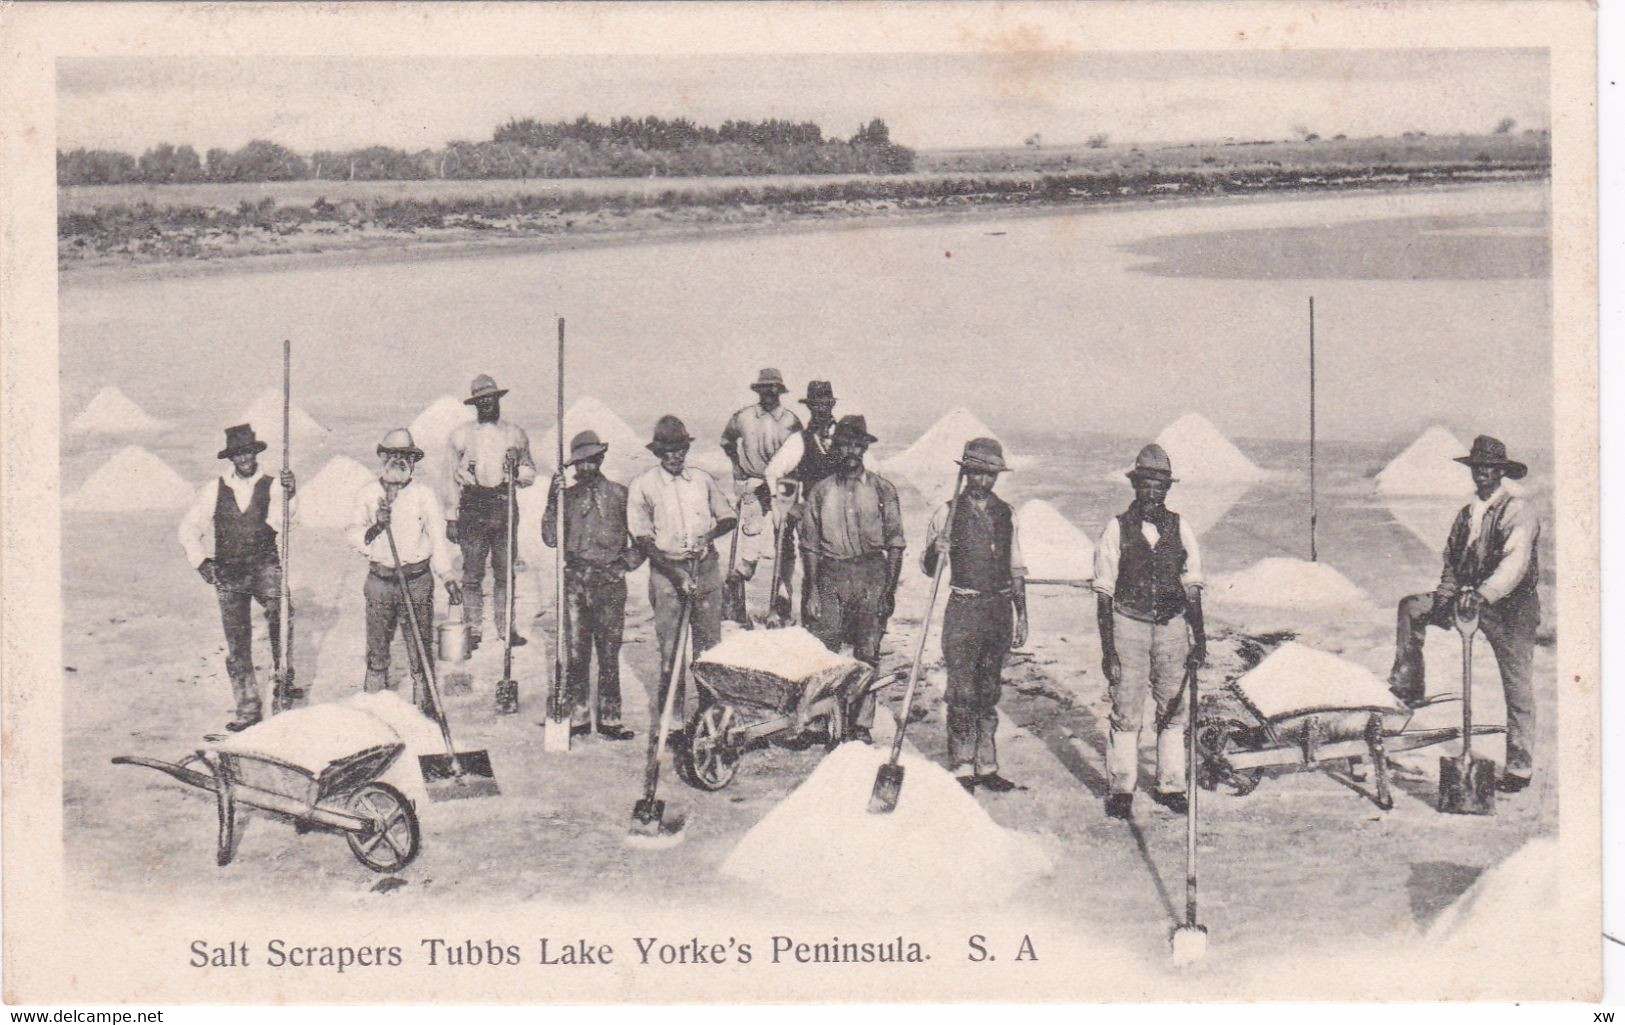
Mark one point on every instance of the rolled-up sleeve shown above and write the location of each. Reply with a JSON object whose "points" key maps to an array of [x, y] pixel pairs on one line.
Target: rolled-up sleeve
{"points": [[640, 520], [1192, 577], [722, 506], [891, 516], [363, 514], [933, 531], [441, 560], [1107, 553], [193, 531], [1018, 565]]}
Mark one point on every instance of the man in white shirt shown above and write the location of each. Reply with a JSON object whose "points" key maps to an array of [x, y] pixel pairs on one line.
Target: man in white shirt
{"points": [[675, 512], [1490, 568], [752, 437], [805, 458], [1148, 606], [230, 535], [396, 505], [485, 454]]}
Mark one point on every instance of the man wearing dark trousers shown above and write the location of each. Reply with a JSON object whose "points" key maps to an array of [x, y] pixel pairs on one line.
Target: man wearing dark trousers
{"points": [[804, 459], [230, 537], [1490, 568], [598, 553], [986, 614]]}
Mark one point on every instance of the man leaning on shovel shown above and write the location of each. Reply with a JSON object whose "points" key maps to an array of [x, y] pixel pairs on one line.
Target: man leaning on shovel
{"points": [[230, 537], [1490, 568], [395, 504], [752, 437]]}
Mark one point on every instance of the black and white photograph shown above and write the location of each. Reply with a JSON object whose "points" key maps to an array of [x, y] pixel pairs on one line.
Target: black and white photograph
{"points": [[916, 503]]}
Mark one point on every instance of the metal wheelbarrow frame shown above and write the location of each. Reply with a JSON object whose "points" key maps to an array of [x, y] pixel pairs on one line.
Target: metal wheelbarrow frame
{"points": [[377, 820]]}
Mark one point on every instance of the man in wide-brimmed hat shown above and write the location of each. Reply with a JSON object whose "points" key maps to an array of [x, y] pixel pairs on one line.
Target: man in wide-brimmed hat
{"points": [[598, 553], [675, 512], [752, 437], [230, 537], [1491, 568], [852, 542], [1148, 587], [805, 458], [488, 457], [395, 506], [987, 609]]}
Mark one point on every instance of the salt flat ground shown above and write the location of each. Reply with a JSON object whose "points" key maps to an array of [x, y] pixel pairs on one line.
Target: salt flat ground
{"points": [[1049, 331]]}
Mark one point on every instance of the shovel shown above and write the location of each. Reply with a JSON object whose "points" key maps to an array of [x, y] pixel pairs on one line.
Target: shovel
{"points": [[889, 777], [1466, 784], [733, 591], [1189, 940], [453, 775], [507, 692], [285, 693], [648, 815], [556, 728]]}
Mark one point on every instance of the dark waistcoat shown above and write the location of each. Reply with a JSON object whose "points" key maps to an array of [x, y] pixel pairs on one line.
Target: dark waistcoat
{"points": [[1148, 586], [979, 552], [242, 537]]}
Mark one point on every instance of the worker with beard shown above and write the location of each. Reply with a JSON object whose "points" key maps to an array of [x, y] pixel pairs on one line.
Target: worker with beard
{"points": [[396, 505], [1148, 606], [804, 459], [987, 610], [852, 541], [752, 437]]}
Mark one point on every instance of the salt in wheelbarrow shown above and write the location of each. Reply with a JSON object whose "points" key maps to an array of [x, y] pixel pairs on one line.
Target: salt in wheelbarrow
{"points": [[1310, 711], [739, 709]]}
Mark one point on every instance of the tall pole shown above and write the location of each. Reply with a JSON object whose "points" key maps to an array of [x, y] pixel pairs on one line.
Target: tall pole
{"points": [[284, 603], [1314, 508], [561, 665]]}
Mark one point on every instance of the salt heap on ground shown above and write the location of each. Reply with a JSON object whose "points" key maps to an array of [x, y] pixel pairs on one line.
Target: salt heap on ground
{"points": [[133, 479], [111, 412], [1296, 678], [1287, 583], [792, 653], [928, 464], [264, 414], [1428, 467], [329, 500], [1521, 889], [1200, 453], [626, 457], [821, 842], [714, 461], [431, 431], [1053, 548]]}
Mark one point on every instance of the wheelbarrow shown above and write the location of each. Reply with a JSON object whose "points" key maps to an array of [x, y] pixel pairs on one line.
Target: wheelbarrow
{"points": [[341, 793], [740, 709]]}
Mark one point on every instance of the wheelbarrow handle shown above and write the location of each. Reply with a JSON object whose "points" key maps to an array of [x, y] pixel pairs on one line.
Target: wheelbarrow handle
{"points": [[192, 777]]}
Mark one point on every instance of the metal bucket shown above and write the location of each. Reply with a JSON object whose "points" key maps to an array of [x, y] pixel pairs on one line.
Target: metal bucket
{"points": [[452, 636]]}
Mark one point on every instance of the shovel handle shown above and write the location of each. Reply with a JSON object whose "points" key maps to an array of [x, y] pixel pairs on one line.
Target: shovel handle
{"points": [[422, 650], [925, 629]]}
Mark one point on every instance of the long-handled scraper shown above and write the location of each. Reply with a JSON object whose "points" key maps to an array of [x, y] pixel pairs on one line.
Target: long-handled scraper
{"points": [[1189, 939], [556, 728], [1466, 784], [649, 824]]}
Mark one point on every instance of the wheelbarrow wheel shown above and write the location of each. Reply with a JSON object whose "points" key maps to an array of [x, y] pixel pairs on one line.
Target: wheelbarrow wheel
{"points": [[1215, 738], [712, 761], [392, 840]]}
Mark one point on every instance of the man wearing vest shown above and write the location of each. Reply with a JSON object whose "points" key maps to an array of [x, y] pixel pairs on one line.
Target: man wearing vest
{"points": [[230, 536], [986, 614], [801, 462], [485, 455], [395, 506], [598, 553], [752, 437], [1148, 584], [852, 540], [1490, 567]]}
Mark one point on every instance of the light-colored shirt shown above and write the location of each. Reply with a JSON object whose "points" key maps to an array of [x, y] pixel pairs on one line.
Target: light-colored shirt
{"points": [[1521, 527], [479, 453], [677, 512], [757, 435], [939, 524], [196, 532], [415, 518], [788, 457], [1110, 550], [844, 519]]}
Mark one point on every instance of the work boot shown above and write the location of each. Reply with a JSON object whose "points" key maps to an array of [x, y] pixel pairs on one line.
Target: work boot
{"points": [[243, 722], [517, 641], [969, 783], [1120, 806], [614, 731], [1510, 784], [1174, 801], [997, 783]]}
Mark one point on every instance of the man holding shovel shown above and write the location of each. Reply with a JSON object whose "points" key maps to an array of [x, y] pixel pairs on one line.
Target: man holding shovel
{"points": [[1490, 568], [598, 553], [752, 437], [411, 512], [987, 610], [804, 459]]}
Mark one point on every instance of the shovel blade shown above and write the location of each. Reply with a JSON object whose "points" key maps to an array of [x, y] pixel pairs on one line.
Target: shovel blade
{"points": [[888, 786], [1466, 786], [507, 697], [1189, 945], [448, 778], [646, 816], [556, 735]]}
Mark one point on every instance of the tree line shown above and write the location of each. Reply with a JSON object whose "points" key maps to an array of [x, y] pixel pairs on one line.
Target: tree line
{"points": [[527, 148]]}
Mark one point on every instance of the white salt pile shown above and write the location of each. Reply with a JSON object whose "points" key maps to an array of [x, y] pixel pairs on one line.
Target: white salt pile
{"points": [[1428, 467], [431, 429], [1053, 548], [821, 843], [791, 653], [1427, 518], [1287, 583], [928, 464], [264, 414], [1296, 678], [329, 499], [1200, 453], [626, 457], [1203, 504], [133, 479], [111, 412], [714, 461], [1522, 889]]}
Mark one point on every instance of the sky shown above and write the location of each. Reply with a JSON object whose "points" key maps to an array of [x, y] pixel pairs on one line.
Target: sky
{"points": [[930, 101]]}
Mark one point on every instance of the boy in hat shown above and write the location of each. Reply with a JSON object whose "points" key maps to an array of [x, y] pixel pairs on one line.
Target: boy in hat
{"points": [[396, 506], [1490, 567], [598, 553], [752, 437], [486, 455], [675, 512], [1148, 585], [230, 537], [804, 459], [852, 541], [987, 609]]}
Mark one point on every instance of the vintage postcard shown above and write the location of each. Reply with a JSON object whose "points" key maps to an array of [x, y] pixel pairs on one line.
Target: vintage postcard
{"points": [[758, 503]]}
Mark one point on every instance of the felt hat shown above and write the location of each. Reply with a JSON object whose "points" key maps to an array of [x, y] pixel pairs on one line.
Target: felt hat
{"points": [[585, 446], [854, 426], [399, 440], [483, 386], [670, 435], [1153, 462], [1488, 451], [239, 441], [819, 391], [983, 455], [770, 378]]}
